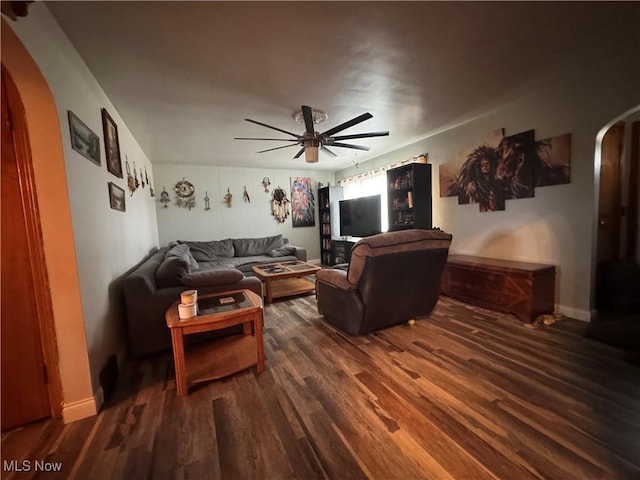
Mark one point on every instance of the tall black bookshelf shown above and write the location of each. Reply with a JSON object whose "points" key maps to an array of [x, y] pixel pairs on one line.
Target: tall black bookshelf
{"points": [[409, 197], [328, 211]]}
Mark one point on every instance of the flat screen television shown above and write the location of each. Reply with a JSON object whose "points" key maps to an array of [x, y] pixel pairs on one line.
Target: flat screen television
{"points": [[360, 217]]}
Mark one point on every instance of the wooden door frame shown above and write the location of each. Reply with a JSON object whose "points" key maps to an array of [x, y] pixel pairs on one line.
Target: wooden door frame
{"points": [[633, 197], [42, 292]]}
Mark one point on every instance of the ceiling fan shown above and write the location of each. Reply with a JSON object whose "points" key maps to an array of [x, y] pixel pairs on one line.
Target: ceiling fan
{"points": [[311, 141]]}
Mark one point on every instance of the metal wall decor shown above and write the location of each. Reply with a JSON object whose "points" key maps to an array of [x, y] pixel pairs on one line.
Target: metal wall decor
{"points": [[146, 176], [228, 198], [164, 198], [185, 194], [131, 182], [280, 205]]}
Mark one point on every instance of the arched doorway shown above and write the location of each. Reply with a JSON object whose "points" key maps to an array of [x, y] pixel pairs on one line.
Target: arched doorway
{"points": [[617, 278], [26, 304], [63, 336]]}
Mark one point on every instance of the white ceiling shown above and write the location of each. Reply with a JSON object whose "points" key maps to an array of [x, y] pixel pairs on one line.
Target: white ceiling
{"points": [[185, 75]]}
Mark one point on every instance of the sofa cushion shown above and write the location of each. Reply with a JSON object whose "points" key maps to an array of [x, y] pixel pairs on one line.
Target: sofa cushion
{"points": [[246, 247], [282, 251], [205, 278], [207, 251], [218, 263]]}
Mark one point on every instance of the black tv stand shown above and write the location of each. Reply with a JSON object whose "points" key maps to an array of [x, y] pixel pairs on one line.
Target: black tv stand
{"points": [[342, 250]]}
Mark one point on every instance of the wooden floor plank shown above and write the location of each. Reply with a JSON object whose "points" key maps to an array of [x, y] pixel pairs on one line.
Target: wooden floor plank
{"points": [[464, 393]]}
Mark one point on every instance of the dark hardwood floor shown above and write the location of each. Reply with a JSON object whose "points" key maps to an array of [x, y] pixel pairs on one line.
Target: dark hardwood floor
{"points": [[465, 394]]}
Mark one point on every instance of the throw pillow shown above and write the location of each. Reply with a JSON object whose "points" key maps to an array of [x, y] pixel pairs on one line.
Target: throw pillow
{"points": [[170, 271], [218, 276], [282, 251], [177, 251]]}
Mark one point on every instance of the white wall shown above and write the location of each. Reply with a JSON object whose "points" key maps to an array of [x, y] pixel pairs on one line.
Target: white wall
{"points": [[107, 242], [243, 219], [557, 225]]}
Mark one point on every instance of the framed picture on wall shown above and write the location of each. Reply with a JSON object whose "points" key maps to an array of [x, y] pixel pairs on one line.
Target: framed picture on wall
{"points": [[83, 140], [302, 202], [111, 144], [116, 197]]}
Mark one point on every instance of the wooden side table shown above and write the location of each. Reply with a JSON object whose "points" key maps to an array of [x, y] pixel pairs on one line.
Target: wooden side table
{"points": [[221, 357]]}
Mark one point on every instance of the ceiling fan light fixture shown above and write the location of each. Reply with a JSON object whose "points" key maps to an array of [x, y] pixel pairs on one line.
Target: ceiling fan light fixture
{"points": [[318, 116], [311, 152]]}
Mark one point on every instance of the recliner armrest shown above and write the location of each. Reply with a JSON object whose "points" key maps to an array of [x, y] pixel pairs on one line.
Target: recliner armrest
{"points": [[335, 278]]}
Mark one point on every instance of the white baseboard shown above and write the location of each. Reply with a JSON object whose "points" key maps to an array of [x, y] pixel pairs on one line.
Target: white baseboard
{"points": [[72, 412], [577, 313]]}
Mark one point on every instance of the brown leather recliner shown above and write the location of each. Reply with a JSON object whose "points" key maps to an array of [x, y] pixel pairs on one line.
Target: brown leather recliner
{"points": [[392, 278]]}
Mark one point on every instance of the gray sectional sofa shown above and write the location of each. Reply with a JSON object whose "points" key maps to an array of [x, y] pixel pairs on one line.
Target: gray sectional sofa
{"points": [[209, 267]]}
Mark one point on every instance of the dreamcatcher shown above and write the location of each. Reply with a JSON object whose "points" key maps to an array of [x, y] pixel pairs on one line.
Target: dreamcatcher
{"points": [[280, 205], [185, 194]]}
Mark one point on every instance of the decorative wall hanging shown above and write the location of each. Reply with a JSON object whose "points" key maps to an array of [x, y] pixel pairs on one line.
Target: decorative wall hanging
{"points": [[245, 196], [83, 140], [151, 192], [111, 144], [280, 205], [185, 194], [265, 183], [164, 198], [116, 197], [503, 168], [131, 183], [207, 206], [228, 198], [422, 158], [141, 176], [302, 202]]}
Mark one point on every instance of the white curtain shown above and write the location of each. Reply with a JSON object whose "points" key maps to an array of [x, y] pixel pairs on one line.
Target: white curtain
{"points": [[370, 183]]}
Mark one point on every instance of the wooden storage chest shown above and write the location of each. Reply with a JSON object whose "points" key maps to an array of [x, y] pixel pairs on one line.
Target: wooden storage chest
{"points": [[524, 289]]}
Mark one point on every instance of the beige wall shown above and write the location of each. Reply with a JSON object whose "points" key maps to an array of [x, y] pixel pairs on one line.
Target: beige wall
{"points": [[556, 226], [243, 219]]}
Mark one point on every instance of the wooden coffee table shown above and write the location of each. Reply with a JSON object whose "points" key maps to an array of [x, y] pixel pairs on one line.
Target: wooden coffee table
{"points": [[221, 357], [284, 279]]}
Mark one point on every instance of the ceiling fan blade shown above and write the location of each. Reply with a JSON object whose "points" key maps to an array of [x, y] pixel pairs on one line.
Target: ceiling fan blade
{"points": [[350, 123], [326, 150], [276, 139], [273, 128], [300, 152], [307, 114], [361, 135], [276, 148], [348, 145]]}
